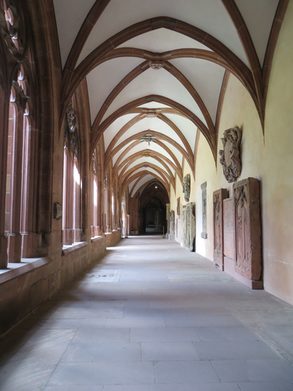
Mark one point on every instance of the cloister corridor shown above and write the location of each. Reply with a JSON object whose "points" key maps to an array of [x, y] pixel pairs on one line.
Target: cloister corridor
{"points": [[152, 317]]}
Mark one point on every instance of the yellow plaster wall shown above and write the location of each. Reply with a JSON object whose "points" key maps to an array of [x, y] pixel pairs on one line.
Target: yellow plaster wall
{"points": [[238, 110], [269, 158], [205, 172], [278, 163]]}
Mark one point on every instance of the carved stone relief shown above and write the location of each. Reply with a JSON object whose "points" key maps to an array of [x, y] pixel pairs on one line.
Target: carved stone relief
{"points": [[186, 187], [229, 229], [156, 64], [188, 225], [94, 162], [230, 156], [204, 234], [248, 260], [71, 131], [218, 198], [172, 225], [168, 219], [178, 206]]}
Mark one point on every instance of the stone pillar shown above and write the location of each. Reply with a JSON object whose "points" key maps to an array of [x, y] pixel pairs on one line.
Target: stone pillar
{"points": [[68, 199], [14, 252], [29, 200], [4, 109]]}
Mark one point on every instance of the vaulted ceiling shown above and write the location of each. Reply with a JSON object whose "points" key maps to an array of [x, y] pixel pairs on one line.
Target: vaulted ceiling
{"points": [[156, 72]]}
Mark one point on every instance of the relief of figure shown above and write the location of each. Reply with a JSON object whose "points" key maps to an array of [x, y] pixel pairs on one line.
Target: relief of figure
{"points": [[242, 236]]}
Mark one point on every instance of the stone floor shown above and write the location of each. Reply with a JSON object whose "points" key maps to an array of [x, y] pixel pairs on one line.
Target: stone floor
{"points": [[153, 317]]}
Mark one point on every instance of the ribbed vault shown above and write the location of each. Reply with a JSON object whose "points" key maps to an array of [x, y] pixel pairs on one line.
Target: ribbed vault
{"points": [[156, 72]]}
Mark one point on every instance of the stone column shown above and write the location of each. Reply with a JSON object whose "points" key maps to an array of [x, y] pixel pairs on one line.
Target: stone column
{"points": [[4, 109], [68, 199], [14, 252]]}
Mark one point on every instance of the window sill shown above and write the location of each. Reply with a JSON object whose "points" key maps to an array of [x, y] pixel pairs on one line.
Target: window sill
{"points": [[15, 270], [96, 238], [66, 249]]}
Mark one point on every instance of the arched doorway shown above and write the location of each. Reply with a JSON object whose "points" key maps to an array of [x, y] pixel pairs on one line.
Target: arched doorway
{"points": [[152, 210]]}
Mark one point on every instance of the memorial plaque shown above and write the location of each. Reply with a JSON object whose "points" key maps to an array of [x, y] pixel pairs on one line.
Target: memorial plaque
{"points": [[172, 225], [204, 233], [218, 197], [248, 261], [188, 222], [229, 228]]}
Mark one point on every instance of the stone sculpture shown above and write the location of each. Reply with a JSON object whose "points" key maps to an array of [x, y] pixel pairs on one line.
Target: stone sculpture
{"points": [[230, 156], [188, 225], [71, 132], [186, 187]]}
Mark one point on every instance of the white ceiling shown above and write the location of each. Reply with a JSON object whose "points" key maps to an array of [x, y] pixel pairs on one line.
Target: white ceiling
{"points": [[140, 183], [162, 40], [159, 82], [203, 75], [68, 23], [206, 77], [105, 77], [208, 15], [258, 16], [152, 124]]}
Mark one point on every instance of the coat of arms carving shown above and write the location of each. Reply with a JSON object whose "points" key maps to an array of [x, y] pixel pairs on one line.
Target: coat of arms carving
{"points": [[230, 156], [186, 187]]}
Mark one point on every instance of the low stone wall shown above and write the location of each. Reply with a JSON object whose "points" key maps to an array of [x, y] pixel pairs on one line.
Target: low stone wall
{"points": [[112, 238], [23, 289]]}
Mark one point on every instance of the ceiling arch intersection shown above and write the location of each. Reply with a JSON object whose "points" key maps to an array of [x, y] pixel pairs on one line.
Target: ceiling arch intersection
{"points": [[160, 70]]}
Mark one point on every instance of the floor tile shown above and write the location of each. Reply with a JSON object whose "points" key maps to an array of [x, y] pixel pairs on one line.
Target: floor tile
{"points": [[226, 350], [164, 334], [168, 351], [89, 374], [180, 372], [152, 317]]}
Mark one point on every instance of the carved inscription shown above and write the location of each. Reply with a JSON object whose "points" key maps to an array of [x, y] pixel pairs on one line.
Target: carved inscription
{"points": [[248, 260], [188, 221], [229, 228], [218, 198]]}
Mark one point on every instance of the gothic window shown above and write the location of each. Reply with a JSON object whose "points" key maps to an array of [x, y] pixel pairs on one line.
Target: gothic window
{"points": [[17, 169], [72, 182]]}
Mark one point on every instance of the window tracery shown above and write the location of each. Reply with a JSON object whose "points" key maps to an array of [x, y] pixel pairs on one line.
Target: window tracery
{"points": [[12, 28], [72, 181]]}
